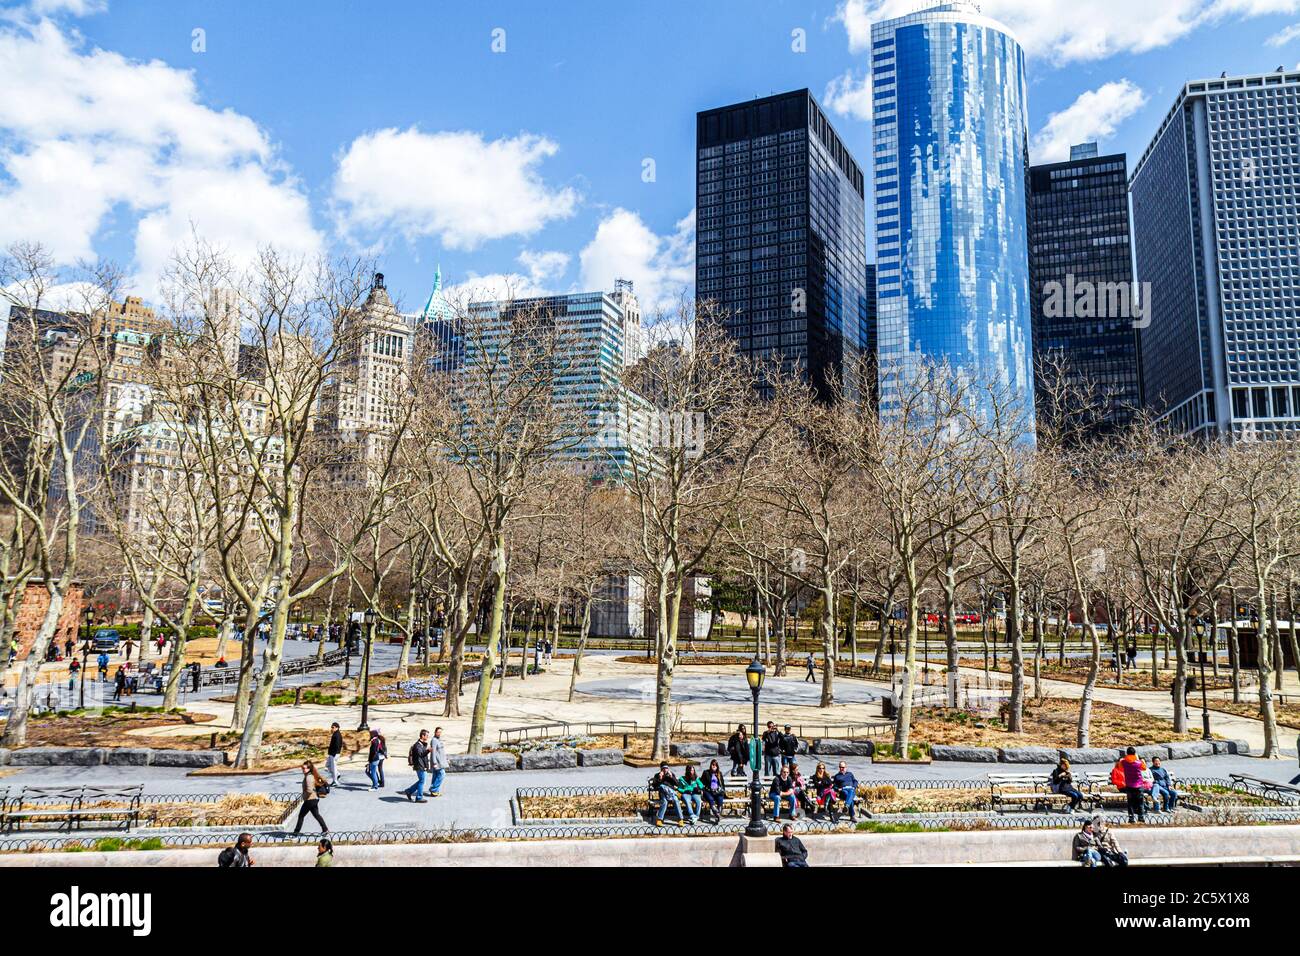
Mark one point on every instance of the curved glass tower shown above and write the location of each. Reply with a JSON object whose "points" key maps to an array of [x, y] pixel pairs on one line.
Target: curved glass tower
{"points": [[952, 250]]}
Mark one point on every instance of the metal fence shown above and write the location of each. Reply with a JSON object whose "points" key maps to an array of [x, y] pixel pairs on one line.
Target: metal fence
{"points": [[508, 735], [859, 731]]}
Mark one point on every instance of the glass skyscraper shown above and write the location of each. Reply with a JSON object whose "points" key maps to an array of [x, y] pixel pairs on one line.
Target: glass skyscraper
{"points": [[781, 234], [952, 250], [1216, 231], [1081, 277]]}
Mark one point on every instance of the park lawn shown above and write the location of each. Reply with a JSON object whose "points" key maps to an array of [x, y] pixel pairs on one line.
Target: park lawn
{"points": [[113, 728], [1288, 715], [232, 809], [1076, 672], [1052, 722]]}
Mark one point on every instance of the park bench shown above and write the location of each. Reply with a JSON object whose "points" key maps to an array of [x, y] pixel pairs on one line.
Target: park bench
{"points": [[1023, 790], [1100, 792], [73, 806], [736, 802], [1281, 792]]}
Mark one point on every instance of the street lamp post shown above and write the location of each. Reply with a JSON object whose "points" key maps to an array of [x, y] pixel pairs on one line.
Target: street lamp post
{"points": [[754, 677], [85, 653], [1205, 701], [347, 643], [365, 690]]}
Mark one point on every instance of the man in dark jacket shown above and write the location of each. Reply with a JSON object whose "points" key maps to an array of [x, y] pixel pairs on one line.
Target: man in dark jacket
{"points": [[237, 856], [789, 746], [771, 750], [418, 758], [846, 786], [782, 790], [666, 784], [791, 848], [811, 677], [738, 750], [335, 748]]}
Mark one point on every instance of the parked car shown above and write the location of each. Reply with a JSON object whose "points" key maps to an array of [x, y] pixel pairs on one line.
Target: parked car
{"points": [[107, 639]]}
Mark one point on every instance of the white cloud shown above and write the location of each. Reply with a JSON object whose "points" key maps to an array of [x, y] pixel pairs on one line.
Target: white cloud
{"points": [[544, 266], [849, 95], [87, 133], [1283, 37], [495, 286], [452, 185], [1063, 32], [1093, 116], [662, 268]]}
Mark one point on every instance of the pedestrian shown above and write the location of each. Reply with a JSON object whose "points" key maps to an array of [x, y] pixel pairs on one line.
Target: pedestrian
{"points": [[1084, 846], [67, 647], [715, 789], [127, 648], [1132, 655], [119, 683], [1111, 854], [811, 677], [418, 759], [1062, 781], [666, 784], [738, 751], [13, 649], [237, 855], [438, 762], [1163, 793], [332, 758], [789, 746], [195, 671], [313, 787], [324, 853], [1132, 769], [783, 789], [846, 785], [791, 848], [771, 750], [375, 760], [439, 626], [102, 663]]}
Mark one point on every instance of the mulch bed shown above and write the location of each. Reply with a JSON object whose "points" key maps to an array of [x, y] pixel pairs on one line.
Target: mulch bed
{"points": [[1076, 672], [110, 729], [1051, 723], [1288, 715]]}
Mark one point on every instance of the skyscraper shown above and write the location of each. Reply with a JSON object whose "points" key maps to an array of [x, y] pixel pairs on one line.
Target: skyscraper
{"points": [[1216, 230], [781, 236], [1081, 277], [952, 250]]}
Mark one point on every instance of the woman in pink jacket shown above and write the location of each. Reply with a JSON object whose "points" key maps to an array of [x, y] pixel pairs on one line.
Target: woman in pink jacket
{"points": [[1133, 785]]}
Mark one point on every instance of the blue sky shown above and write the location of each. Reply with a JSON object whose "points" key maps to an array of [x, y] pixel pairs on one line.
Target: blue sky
{"points": [[396, 130]]}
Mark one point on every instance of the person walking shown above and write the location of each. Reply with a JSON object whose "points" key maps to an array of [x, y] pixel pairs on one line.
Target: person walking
{"points": [[1132, 769], [102, 663], [811, 676], [238, 855], [771, 750], [313, 785], [375, 760], [195, 672], [418, 758], [738, 751], [438, 762], [332, 758], [119, 682], [790, 847]]}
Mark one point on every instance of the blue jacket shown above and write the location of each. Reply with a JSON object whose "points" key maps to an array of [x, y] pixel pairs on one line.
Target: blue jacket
{"points": [[845, 780], [1160, 777]]}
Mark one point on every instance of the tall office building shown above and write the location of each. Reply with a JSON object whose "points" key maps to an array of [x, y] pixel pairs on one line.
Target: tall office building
{"points": [[951, 151], [780, 235], [1216, 230], [1081, 278]]}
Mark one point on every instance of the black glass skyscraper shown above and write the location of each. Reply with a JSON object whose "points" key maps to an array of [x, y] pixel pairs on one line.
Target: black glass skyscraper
{"points": [[1081, 278], [781, 235]]}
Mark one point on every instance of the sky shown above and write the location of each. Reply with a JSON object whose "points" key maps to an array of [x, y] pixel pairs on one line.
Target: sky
{"points": [[520, 145]]}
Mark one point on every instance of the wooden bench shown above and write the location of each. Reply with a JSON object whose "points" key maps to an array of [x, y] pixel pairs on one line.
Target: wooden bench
{"points": [[1023, 790], [1281, 792], [1100, 792], [73, 805], [735, 803]]}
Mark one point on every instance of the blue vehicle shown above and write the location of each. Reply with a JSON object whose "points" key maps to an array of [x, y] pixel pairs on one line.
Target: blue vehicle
{"points": [[107, 639]]}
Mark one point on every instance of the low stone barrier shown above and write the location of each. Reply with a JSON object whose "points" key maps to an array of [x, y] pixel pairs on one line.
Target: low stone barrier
{"points": [[829, 747], [110, 757], [1087, 755], [479, 763], [703, 749], [609, 757], [558, 758]]}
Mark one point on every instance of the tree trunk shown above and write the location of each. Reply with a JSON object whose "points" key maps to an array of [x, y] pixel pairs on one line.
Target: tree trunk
{"points": [[1272, 746], [669, 608], [1016, 706], [1180, 676], [1234, 650], [903, 706], [828, 640], [478, 721], [1089, 685], [584, 629], [404, 658], [1038, 652], [16, 727], [950, 631], [242, 688]]}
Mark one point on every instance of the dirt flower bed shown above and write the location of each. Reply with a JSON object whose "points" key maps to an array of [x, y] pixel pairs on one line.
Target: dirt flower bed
{"points": [[1288, 715], [112, 728], [1075, 671], [1051, 723], [610, 804], [233, 809]]}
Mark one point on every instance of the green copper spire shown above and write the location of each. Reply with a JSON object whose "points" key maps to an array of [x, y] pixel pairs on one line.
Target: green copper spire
{"points": [[437, 307]]}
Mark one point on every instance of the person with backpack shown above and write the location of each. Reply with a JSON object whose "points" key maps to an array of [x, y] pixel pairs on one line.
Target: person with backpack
{"points": [[438, 762], [102, 663], [418, 759], [313, 788], [234, 857], [375, 760], [335, 748]]}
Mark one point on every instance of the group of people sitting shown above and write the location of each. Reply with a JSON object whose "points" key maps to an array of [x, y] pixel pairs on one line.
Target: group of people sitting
{"points": [[1132, 777], [705, 793]]}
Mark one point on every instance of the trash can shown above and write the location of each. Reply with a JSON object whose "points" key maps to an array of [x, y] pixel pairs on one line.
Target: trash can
{"points": [[887, 707]]}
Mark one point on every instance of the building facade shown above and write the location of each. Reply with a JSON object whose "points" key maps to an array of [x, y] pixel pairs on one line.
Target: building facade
{"points": [[1085, 313], [1216, 233], [780, 241], [950, 147]]}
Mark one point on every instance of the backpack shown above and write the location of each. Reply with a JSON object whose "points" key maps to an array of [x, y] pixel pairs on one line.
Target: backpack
{"points": [[410, 756], [323, 789], [226, 858]]}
